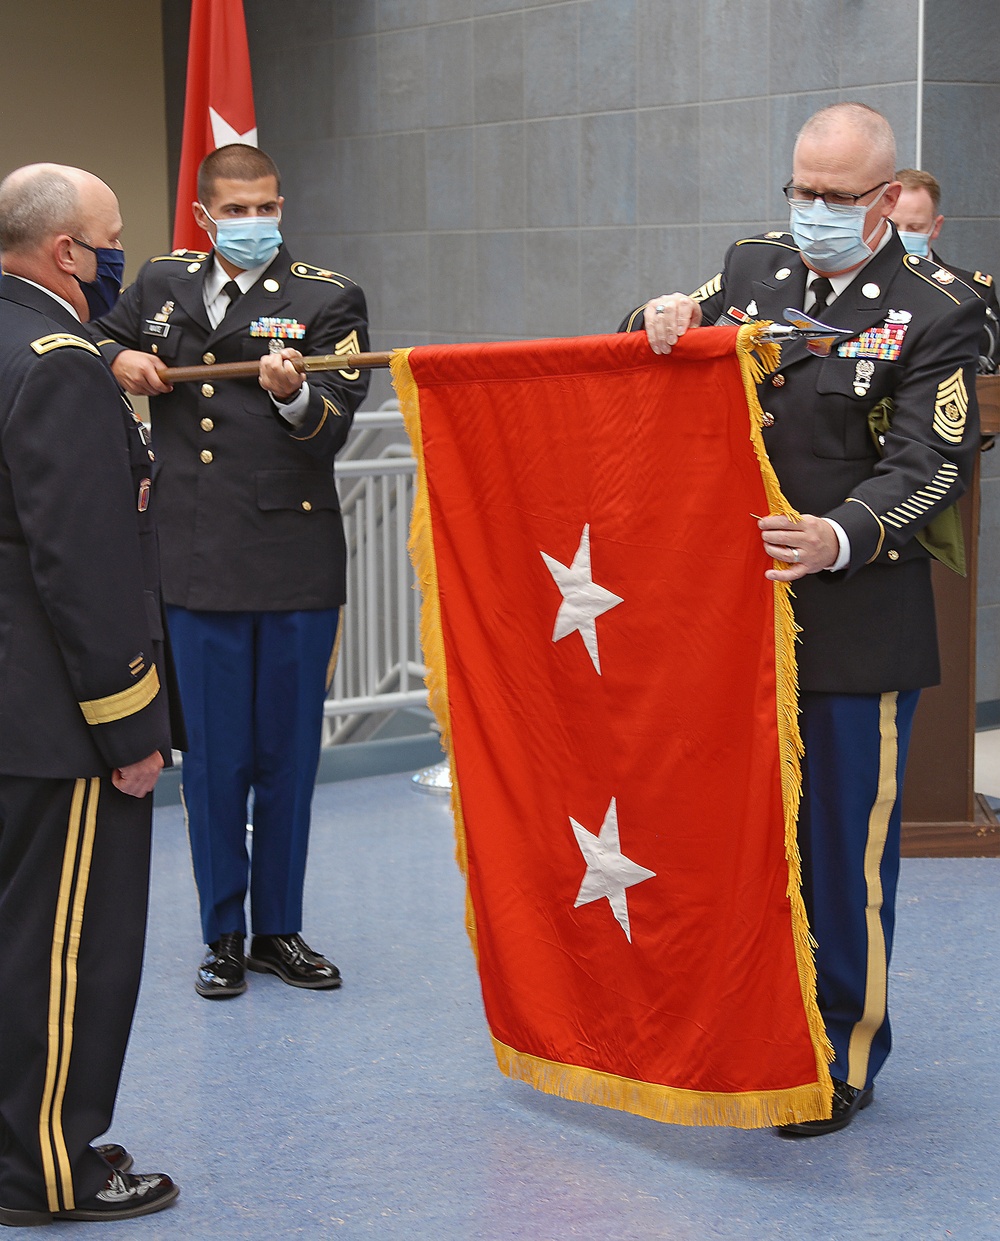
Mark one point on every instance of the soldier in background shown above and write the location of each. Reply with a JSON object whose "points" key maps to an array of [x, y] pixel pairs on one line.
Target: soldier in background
{"points": [[918, 219], [254, 557]]}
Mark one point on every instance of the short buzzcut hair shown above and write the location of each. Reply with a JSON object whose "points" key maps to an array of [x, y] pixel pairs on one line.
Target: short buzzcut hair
{"points": [[917, 179], [36, 204], [873, 125], [234, 162]]}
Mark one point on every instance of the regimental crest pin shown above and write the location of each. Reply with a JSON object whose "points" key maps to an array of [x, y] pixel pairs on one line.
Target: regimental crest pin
{"points": [[164, 313], [943, 276], [899, 316]]}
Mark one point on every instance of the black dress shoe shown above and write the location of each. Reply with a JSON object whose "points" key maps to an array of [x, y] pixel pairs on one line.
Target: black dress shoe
{"points": [[115, 1155], [125, 1196], [223, 971], [291, 958], [847, 1102]]}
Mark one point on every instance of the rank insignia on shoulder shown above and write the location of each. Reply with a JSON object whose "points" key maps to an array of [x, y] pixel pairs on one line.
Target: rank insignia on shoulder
{"points": [[307, 272], [182, 256], [951, 407], [278, 329], [350, 344], [61, 340], [708, 289], [982, 277]]}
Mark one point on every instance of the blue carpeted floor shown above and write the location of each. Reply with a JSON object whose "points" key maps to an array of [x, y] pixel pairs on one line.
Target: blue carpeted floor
{"points": [[378, 1111]]}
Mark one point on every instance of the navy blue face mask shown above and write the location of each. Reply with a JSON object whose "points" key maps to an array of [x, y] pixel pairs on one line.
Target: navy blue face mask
{"points": [[104, 290]]}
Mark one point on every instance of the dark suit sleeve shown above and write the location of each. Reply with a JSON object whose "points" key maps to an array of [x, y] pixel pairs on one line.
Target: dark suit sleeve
{"points": [[340, 326], [66, 445], [929, 451]]}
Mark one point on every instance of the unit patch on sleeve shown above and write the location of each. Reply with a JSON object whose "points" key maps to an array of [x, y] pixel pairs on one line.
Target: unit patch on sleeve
{"points": [[950, 408]]}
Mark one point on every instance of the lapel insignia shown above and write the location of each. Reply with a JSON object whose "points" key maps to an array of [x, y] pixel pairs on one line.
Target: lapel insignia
{"points": [[278, 329], [950, 408], [271, 286], [884, 342], [348, 345], [871, 291], [783, 273]]}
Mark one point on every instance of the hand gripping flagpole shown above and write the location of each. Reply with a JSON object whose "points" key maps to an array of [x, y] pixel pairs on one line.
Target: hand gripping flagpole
{"points": [[819, 337]]}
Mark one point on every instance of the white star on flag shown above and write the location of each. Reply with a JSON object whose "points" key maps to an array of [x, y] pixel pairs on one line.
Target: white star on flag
{"points": [[223, 133], [583, 600], [609, 871]]}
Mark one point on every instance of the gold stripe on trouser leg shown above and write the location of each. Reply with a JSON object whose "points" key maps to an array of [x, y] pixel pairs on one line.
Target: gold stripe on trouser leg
{"points": [[859, 1048], [62, 990], [331, 667]]}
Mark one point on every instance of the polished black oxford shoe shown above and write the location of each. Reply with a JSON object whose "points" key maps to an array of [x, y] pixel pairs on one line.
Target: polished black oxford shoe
{"points": [[223, 971], [115, 1155], [847, 1102], [125, 1196], [291, 958]]}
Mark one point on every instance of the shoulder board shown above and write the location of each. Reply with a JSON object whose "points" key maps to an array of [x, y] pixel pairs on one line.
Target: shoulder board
{"points": [[982, 277], [62, 340], [306, 271], [770, 239], [708, 289], [938, 277], [181, 256]]}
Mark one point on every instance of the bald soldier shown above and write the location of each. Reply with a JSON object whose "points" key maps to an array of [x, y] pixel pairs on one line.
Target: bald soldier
{"points": [[865, 490], [85, 721]]}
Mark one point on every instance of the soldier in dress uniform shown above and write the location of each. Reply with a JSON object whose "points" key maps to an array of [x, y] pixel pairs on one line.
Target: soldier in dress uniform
{"points": [[85, 719], [869, 444], [253, 546], [917, 217]]}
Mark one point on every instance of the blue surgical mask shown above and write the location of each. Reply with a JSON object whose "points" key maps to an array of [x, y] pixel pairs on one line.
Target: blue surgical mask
{"points": [[105, 289], [248, 241], [916, 243], [832, 238]]}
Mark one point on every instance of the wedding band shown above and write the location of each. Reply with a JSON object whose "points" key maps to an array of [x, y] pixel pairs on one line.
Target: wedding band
{"points": [[795, 554], [660, 309]]}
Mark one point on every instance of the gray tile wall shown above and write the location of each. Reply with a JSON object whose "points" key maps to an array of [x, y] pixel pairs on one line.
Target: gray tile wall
{"points": [[491, 169]]}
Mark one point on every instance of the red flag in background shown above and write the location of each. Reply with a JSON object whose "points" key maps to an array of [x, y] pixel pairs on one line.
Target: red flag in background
{"points": [[615, 678], [218, 105]]}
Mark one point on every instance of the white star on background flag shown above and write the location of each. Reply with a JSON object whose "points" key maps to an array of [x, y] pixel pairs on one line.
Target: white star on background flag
{"points": [[223, 133], [583, 600], [609, 871]]}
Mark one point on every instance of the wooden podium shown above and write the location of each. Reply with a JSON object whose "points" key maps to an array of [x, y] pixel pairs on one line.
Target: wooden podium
{"points": [[943, 816]]}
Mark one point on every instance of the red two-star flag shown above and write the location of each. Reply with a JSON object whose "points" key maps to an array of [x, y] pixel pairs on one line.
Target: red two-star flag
{"points": [[218, 105], [615, 680]]}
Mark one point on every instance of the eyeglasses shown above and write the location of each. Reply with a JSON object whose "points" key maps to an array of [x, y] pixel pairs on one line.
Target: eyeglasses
{"points": [[797, 194]]}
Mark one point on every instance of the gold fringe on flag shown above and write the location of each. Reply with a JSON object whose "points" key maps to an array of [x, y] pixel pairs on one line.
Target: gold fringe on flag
{"points": [[745, 1110], [759, 358], [421, 549]]}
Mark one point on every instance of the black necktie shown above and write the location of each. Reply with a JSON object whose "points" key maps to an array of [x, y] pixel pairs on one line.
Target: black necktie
{"points": [[823, 292], [234, 293]]}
